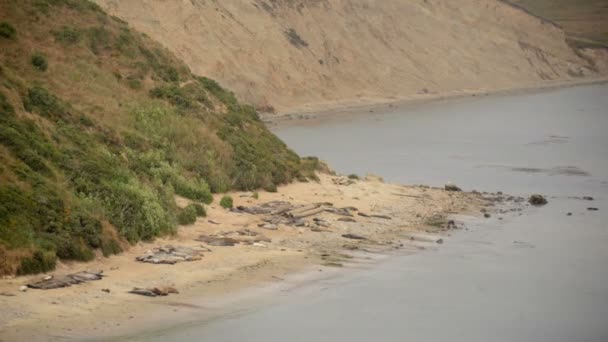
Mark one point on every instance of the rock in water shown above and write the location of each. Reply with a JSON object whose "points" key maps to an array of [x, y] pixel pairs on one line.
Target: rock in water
{"points": [[537, 200], [452, 187]]}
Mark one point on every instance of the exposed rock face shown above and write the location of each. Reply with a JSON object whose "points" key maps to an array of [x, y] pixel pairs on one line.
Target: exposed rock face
{"points": [[289, 55]]}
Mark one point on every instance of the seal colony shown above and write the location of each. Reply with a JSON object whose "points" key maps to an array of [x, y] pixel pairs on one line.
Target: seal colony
{"points": [[335, 222]]}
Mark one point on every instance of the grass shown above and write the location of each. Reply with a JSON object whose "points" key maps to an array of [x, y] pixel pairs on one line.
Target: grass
{"points": [[94, 149]]}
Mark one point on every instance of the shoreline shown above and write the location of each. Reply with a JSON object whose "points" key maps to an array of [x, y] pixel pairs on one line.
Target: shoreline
{"points": [[345, 109], [104, 309]]}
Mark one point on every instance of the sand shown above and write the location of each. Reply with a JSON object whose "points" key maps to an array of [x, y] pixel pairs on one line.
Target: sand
{"points": [[85, 310]]}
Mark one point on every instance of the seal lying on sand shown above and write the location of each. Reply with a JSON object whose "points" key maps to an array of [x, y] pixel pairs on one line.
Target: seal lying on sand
{"points": [[54, 282]]}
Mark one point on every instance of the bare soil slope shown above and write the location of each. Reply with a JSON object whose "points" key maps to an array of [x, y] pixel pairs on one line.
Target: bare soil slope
{"points": [[581, 19], [292, 54]]}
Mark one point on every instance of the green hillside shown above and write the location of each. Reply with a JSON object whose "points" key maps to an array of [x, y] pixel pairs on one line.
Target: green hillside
{"points": [[100, 127]]}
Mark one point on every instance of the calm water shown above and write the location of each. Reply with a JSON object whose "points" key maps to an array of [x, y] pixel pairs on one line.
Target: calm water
{"points": [[552, 285]]}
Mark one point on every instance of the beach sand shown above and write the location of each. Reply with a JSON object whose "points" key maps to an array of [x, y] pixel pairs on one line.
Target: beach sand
{"points": [[84, 310]]}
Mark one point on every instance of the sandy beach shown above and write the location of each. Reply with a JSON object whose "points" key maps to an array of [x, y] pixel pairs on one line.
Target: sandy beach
{"points": [[104, 308], [343, 109]]}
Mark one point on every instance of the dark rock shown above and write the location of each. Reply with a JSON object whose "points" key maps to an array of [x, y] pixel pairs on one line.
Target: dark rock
{"points": [[143, 292], [346, 219], [452, 187], [592, 209], [486, 215], [537, 200], [587, 198], [451, 225], [569, 214]]}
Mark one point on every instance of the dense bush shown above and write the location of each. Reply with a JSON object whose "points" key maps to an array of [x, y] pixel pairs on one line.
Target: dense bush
{"points": [[226, 202], [7, 30], [39, 61], [200, 210], [187, 215], [39, 262]]}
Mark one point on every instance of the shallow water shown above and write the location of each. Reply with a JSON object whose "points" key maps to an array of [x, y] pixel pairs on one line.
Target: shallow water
{"points": [[542, 276]]}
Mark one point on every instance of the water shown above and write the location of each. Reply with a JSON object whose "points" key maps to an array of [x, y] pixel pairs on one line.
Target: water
{"points": [[542, 276]]}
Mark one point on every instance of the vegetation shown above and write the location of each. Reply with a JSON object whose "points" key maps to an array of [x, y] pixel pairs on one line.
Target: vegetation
{"points": [[39, 61], [200, 210], [187, 215], [226, 202], [7, 30], [353, 176], [94, 150]]}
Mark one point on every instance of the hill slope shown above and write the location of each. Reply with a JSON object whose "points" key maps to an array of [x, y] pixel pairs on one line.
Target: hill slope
{"points": [[291, 54], [581, 19], [100, 127]]}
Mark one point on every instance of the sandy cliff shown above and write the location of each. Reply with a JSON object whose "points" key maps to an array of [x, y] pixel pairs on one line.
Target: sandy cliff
{"points": [[291, 54]]}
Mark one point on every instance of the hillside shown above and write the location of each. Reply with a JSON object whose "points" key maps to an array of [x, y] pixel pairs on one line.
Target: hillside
{"points": [[583, 20], [305, 54], [100, 127]]}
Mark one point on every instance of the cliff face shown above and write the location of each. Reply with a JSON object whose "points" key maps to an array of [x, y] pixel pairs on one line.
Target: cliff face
{"points": [[291, 54]]}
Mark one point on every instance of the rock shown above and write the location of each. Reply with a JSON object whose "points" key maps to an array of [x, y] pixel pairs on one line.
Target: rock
{"points": [[486, 215], [9, 294], [346, 219], [452, 187], [213, 222], [451, 225], [592, 209], [537, 200], [259, 244], [569, 214], [23, 288], [354, 236], [106, 290], [587, 198]]}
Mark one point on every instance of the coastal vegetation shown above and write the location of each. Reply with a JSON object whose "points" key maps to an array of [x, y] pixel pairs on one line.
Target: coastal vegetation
{"points": [[100, 128]]}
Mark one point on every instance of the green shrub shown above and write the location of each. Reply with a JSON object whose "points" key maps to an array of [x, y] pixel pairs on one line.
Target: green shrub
{"points": [[39, 262], [194, 190], [225, 96], [256, 195], [7, 30], [110, 247], [353, 176], [226, 202], [173, 94], [40, 100], [200, 210], [67, 35], [39, 61], [187, 215]]}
